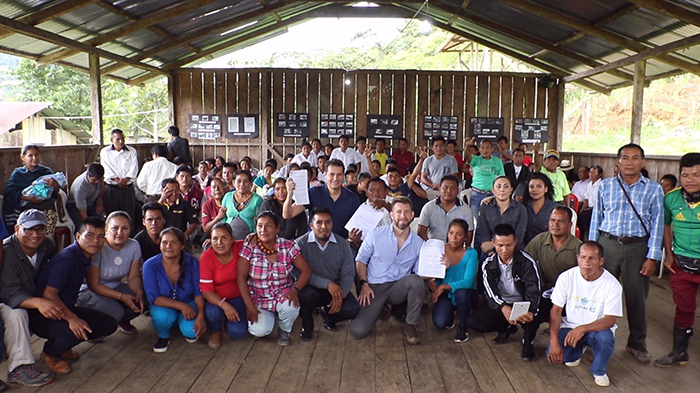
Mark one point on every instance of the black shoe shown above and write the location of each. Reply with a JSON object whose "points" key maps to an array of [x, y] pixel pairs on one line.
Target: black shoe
{"points": [[528, 353], [329, 326], [400, 317], [161, 345], [461, 336], [306, 335], [503, 337]]}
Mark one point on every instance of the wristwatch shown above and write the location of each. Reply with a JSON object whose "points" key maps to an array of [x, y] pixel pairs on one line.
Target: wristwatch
{"points": [[363, 282]]}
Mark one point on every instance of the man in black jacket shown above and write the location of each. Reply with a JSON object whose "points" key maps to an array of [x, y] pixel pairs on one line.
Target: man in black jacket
{"points": [[517, 172], [510, 276]]}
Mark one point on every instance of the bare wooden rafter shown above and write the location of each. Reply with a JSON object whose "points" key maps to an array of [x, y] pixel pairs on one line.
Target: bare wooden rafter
{"points": [[130, 28], [531, 40], [611, 37], [43, 35], [54, 10], [187, 38], [687, 15]]}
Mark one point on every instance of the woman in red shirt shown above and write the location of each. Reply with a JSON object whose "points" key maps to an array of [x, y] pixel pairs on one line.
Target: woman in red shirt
{"points": [[217, 280]]}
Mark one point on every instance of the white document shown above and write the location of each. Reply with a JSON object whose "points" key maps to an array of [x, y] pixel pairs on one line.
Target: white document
{"points": [[233, 124], [249, 125], [429, 260], [365, 219], [519, 308], [301, 188]]}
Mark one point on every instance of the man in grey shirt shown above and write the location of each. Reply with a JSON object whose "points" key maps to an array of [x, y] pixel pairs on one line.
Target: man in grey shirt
{"points": [[437, 166], [436, 215], [333, 267], [82, 198]]}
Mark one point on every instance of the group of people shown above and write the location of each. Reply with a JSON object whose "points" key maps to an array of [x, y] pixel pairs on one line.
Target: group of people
{"points": [[510, 255]]}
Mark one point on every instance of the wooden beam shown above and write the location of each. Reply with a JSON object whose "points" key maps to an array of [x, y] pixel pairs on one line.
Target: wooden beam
{"points": [[644, 55], [461, 8], [54, 10], [638, 101], [96, 98], [690, 15], [186, 38], [509, 52], [43, 35], [172, 98], [531, 40], [130, 28], [628, 9], [611, 37], [155, 29], [273, 13]]}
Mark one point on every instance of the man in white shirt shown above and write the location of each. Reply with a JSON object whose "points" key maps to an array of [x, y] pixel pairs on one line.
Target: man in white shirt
{"points": [[121, 164], [346, 155], [305, 156], [153, 172], [361, 145], [593, 300], [580, 188]]}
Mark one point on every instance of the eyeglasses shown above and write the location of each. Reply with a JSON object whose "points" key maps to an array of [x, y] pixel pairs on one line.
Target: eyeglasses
{"points": [[34, 230]]}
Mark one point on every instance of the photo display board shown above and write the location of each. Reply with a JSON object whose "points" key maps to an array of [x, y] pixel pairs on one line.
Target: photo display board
{"points": [[242, 126], [292, 125], [203, 126], [333, 125], [529, 130], [384, 126], [445, 126], [489, 128]]}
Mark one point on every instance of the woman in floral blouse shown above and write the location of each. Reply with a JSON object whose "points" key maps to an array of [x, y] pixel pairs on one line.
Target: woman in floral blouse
{"points": [[266, 282]]}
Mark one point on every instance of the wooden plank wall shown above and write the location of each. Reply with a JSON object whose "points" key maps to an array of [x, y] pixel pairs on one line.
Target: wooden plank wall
{"points": [[411, 94]]}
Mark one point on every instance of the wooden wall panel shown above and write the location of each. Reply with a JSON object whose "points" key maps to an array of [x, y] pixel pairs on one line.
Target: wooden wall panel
{"points": [[411, 94], [410, 91], [482, 96], [494, 96]]}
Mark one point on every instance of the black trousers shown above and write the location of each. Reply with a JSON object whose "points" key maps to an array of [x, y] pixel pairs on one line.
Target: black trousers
{"points": [[312, 297], [115, 198], [60, 339], [486, 319]]}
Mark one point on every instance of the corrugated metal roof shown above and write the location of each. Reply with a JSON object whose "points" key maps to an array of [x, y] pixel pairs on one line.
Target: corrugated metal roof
{"points": [[12, 113], [527, 28]]}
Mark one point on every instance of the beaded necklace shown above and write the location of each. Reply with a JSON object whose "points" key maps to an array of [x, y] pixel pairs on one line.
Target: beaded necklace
{"points": [[267, 251]]}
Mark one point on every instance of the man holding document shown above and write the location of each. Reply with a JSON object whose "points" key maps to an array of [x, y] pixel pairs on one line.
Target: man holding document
{"points": [[512, 286], [385, 266], [332, 195]]}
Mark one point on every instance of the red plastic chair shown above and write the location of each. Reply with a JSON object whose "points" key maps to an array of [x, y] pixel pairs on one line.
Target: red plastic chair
{"points": [[63, 237], [572, 201]]}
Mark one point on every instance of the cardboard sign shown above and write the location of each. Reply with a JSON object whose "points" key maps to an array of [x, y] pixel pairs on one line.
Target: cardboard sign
{"points": [[205, 126], [529, 130]]}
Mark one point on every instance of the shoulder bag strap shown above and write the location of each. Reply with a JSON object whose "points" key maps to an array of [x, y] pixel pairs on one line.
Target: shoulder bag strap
{"points": [[632, 205]]}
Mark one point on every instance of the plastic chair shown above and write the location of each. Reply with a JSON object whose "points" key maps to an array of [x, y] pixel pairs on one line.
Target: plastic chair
{"points": [[63, 236], [572, 201], [574, 228]]}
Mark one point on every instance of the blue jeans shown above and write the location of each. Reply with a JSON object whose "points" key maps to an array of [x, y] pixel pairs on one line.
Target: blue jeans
{"points": [[216, 318], [164, 318], [444, 310], [602, 344], [475, 202]]}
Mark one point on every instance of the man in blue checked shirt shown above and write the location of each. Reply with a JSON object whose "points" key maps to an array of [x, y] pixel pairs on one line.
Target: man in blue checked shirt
{"points": [[632, 240]]}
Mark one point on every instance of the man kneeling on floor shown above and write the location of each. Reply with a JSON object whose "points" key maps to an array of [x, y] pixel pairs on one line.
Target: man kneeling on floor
{"points": [[332, 275], [60, 283], [385, 265], [510, 276], [593, 300], [27, 252]]}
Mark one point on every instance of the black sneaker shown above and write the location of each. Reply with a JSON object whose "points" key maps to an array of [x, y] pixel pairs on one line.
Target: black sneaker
{"points": [[503, 337], [29, 376], [305, 335], [330, 326], [527, 354], [326, 323], [161, 345], [461, 336], [283, 339]]}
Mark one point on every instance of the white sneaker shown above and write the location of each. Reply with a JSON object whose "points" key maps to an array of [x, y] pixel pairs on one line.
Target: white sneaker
{"points": [[602, 380], [574, 364], [191, 340], [577, 362]]}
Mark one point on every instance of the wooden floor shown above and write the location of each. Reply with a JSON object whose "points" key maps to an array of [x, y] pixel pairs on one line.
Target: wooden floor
{"points": [[335, 362]]}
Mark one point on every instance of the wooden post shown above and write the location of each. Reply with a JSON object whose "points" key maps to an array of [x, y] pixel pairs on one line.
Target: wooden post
{"points": [[638, 100], [96, 98], [172, 98]]}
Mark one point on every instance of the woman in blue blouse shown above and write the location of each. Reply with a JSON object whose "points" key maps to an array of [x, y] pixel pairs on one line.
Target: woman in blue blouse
{"points": [[457, 291], [171, 281], [241, 205]]}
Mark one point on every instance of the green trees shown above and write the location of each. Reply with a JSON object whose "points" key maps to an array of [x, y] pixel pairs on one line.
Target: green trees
{"points": [[68, 92]]}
